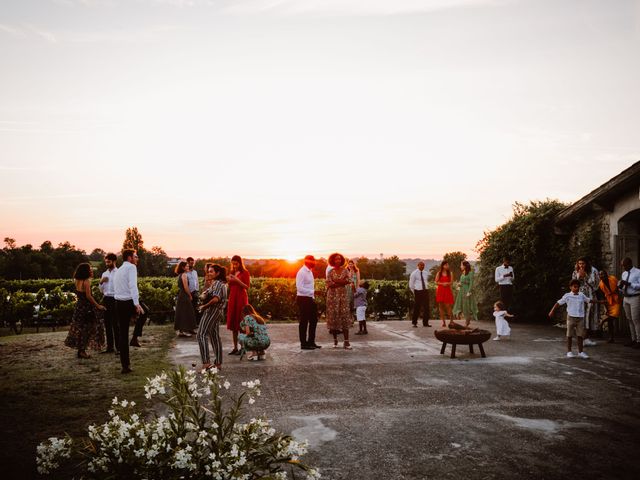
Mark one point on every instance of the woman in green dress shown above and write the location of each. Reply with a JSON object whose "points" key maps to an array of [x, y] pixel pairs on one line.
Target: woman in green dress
{"points": [[253, 337], [466, 305]]}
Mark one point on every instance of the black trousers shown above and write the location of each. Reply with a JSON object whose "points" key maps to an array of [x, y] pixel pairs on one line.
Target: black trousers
{"points": [[506, 295], [111, 323], [421, 302], [308, 320], [125, 311]]}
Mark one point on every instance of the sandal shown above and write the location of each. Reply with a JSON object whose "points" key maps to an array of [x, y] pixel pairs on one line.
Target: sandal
{"points": [[83, 354], [335, 343]]}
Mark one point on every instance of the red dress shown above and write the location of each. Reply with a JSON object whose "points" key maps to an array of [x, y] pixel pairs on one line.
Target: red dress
{"points": [[238, 298], [444, 294]]}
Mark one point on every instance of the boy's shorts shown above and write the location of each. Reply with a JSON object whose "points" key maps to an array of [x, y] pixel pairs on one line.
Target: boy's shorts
{"points": [[361, 313], [575, 326]]}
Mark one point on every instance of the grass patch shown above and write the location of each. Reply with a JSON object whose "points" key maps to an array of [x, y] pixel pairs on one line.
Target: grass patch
{"points": [[46, 391]]}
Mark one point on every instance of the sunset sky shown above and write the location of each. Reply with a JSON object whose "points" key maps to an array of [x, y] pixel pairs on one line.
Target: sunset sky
{"points": [[275, 128]]}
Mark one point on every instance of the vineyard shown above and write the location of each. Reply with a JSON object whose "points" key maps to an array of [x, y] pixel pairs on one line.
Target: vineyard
{"points": [[29, 301]]}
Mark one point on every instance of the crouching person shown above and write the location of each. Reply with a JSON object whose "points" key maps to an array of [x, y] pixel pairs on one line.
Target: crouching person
{"points": [[253, 335]]}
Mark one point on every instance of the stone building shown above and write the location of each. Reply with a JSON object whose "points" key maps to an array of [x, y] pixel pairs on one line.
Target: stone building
{"points": [[606, 222]]}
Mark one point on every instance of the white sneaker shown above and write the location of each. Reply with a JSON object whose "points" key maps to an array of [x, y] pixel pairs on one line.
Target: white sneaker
{"points": [[496, 338], [570, 355], [589, 343], [583, 355]]}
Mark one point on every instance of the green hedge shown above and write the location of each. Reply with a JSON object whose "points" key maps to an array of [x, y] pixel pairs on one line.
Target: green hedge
{"points": [[272, 297]]}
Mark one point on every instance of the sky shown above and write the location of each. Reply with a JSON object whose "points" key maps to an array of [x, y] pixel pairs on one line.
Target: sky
{"points": [[276, 128]]}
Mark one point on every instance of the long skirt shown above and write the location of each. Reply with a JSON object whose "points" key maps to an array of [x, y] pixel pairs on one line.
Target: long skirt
{"points": [[185, 318]]}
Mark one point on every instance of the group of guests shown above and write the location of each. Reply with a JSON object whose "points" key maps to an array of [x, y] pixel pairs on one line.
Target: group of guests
{"points": [[224, 297], [120, 304]]}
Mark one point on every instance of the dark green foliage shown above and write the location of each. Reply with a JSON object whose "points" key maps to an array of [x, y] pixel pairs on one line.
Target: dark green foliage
{"points": [[541, 260], [454, 259]]}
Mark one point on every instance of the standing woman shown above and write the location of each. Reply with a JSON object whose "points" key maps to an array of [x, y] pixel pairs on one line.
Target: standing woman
{"points": [[239, 282], [338, 312], [589, 279], [185, 317], [444, 293], [86, 330], [609, 287], [354, 274], [213, 300], [465, 303]]}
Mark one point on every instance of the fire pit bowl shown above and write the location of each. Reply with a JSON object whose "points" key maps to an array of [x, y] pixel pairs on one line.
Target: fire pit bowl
{"points": [[462, 337]]}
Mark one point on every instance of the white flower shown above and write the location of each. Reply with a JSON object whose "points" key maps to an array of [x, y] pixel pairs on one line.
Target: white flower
{"points": [[226, 385], [313, 474]]}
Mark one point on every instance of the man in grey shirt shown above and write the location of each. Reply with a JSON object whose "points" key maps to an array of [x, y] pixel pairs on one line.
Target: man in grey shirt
{"points": [[194, 286]]}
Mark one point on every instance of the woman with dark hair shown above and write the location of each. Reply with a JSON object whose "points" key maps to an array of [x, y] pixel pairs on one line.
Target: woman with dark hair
{"points": [[587, 275], [465, 304], [354, 274], [444, 293], [213, 300], [185, 316], [239, 282], [338, 311], [86, 330], [609, 287], [254, 337]]}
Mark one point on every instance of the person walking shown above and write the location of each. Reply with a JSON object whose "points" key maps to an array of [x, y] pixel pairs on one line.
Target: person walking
{"points": [[107, 288], [307, 308], [239, 281], [630, 287], [444, 292], [185, 317], [418, 286], [338, 312], [127, 302], [466, 304], [504, 277], [86, 330], [213, 300]]}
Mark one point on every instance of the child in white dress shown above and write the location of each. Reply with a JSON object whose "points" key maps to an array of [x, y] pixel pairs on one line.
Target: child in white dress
{"points": [[502, 326]]}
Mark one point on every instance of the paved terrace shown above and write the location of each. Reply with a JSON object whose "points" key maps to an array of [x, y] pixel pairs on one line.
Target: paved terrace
{"points": [[394, 408]]}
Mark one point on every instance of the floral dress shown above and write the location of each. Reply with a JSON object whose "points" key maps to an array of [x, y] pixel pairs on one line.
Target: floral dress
{"points": [[86, 330], [338, 310], [466, 304], [258, 340]]}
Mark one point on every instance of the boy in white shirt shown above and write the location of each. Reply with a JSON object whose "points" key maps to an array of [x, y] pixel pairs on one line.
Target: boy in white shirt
{"points": [[575, 302]]}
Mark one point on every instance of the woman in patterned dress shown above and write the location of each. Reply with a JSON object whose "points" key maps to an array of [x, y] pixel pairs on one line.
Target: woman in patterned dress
{"points": [[254, 337], [466, 304], [338, 312], [214, 299], [588, 277], [239, 282], [86, 330], [354, 274]]}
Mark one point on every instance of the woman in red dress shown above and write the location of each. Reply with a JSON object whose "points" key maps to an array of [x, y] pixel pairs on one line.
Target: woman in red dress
{"points": [[238, 281], [444, 293]]}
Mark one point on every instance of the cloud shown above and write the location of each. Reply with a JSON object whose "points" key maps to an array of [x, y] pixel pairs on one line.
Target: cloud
{"points": [[352, 7]]}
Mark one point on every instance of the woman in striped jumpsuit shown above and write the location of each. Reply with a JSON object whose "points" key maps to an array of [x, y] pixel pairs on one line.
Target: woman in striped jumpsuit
{"points": [[214, 300]]}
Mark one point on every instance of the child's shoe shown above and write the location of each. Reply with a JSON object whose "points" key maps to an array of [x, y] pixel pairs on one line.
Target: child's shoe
{"points": [[583, 355], [589, 343], [570, 355], [496, 338]]}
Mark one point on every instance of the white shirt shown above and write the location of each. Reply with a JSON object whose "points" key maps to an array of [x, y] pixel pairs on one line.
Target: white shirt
{"points": [[500, 275], [304, 282], [108, 288], [125, 283], [192, 278], [633, 277], [414, 280], [575, 303]]}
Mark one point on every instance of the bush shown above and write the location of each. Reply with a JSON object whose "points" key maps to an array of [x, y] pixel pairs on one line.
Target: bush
{"points": [[200, 437]]}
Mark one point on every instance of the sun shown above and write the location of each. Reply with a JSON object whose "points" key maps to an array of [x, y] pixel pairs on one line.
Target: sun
{"points": [[291, 258]]}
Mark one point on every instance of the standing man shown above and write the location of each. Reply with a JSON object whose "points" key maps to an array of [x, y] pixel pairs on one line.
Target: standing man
{"points": [[107, 287], [418, 285], [630, 286], [194, 286], [504, 279], [305, 288], [127, 302]]}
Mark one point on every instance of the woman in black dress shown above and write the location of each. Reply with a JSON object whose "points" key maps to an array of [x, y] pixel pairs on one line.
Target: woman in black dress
{"points": [[185, 318], [86, 330]]}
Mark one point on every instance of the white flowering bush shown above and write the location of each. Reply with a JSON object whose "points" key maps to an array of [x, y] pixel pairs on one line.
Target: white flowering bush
{"points": [[200, 437]]}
